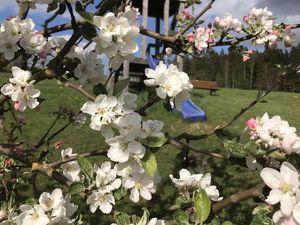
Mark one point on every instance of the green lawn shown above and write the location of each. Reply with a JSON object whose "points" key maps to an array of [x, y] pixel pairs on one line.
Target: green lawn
{"points": [[227, 176]]}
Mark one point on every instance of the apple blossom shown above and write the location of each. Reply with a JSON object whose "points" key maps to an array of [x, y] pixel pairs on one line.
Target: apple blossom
{"points": [[284, 185], [101, 200], [141, 185], [90, 70], [275, 133], [171, 83], [32, 215], [106, 177]]}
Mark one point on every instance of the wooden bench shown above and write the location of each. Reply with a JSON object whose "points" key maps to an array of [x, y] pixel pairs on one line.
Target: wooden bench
{"points": [[206, 85]]}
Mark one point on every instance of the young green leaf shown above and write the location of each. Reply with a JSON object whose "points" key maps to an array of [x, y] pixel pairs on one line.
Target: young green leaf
{"points": [[76, 188], [202, 205], [181, 217], [120, 86], [149, 163], [86, 166]]}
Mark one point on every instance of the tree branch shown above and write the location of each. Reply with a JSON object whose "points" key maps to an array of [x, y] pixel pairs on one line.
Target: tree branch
{"points": [[190, 24], [184, 146], [253, 192]]}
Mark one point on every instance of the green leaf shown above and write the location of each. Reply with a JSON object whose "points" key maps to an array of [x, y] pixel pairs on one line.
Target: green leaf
{"points": [[88, 31], [120, 193], [202, 205], [149, 163], [145, 217], [227, 223], [215, 221], [122, 218], [235, 149], [261, 207], [99, 89], [120, 86], [294, 159], [155, 141], [86, 166], [262, 218], [181, 217], [252, 148], [89, 17], [76, 188]]}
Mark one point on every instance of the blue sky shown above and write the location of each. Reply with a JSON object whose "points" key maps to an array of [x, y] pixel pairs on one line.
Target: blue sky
{"points": [[288, 12]]}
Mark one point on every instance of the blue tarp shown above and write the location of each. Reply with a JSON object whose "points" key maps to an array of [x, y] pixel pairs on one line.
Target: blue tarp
{"points": [[190, 111]]}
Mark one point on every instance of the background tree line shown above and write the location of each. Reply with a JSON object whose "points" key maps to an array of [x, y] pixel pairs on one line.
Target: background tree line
{"points": [[260, 72]]}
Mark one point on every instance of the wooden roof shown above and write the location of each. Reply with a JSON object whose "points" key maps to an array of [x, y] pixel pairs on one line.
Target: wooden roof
{"points": [[156, 7]]}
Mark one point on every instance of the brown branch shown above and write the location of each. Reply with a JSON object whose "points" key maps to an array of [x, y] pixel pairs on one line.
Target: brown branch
{"points": [[253, 192], [72, 158], [77, 88], [184, 146], [190, 24]]}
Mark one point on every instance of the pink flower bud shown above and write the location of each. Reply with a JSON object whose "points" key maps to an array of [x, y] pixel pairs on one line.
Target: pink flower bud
{"points": [[168, 51], [246, 19], [17, 105], [246, 58], [290, 221], [251, 123], [191, 37]]}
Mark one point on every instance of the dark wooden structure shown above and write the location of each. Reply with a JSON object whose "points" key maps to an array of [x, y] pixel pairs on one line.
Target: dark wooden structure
{"points": [[159, 9], [212, 86]]}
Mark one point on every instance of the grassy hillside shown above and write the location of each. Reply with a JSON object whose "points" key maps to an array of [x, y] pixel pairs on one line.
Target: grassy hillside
{"points": [[227, 176]]}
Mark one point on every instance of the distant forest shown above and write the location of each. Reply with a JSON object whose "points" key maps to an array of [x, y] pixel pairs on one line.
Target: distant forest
{"points": [[260, 72]]}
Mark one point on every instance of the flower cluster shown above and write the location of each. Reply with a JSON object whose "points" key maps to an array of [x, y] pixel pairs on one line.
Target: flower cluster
{"points": [[22, 93], [106, 182], [16, 32], [201, 38], [70, 169], [262, 21], [90, 70], [274, 133], [170, 82], [117, 34], [105, 110], [285, 190], [53, 208], [196, 181], [228, 23]]}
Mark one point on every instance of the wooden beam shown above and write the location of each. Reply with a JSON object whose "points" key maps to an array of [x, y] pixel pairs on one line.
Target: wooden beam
{"points": [[166, 17], [179, 58], [145, 25], [126, 72]]}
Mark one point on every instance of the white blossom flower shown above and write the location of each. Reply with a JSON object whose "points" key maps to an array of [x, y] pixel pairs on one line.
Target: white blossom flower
{"points": [[106, 177], [71, 170], [50, 201], [26, 98], [101, 200], [20, 77], [155, 221], [171, 83], [211, 190], [90, 70], [140, 185], [32, 215], [101, 110], [276, 133], [123, 147], [117, 34], [284, 185]]}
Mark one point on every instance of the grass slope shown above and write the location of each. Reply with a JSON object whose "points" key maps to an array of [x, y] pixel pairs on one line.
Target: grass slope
{"points": [[228, 177]]}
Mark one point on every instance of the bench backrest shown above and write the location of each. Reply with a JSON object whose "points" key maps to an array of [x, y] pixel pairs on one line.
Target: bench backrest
{"points": [[203, 84]]}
